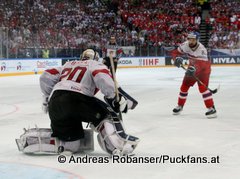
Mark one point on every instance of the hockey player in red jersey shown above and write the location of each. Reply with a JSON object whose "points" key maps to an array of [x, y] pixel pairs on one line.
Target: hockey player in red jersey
{"points": [[199, 66], [69, 99]]}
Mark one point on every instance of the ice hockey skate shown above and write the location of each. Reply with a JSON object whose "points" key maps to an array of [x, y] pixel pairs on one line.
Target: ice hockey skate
{"points": [[177, 110], [211, 113]]}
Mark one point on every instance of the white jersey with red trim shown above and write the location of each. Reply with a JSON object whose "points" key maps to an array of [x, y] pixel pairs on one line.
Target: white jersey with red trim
{"points": [[198, 53], [79, 76]]}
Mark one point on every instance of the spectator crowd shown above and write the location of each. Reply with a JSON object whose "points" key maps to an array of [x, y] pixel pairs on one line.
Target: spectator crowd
{"points": [[224, 19], [77, 24]]}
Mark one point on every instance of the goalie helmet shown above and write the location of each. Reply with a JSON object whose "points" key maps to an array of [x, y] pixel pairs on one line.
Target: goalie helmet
{"points": [[96, 56], [194, 35], [89, 54]]}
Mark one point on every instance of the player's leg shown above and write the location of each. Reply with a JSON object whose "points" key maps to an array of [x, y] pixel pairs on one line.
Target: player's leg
{"points": [[62, 106], [207, 96], [111, 135], [66, 111], [40, 140], [182, 97], [113, 139]]}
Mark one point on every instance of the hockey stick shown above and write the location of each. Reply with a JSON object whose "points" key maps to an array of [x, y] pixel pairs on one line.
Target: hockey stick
{"points": [[168, 49], [212, 91], [128, 97], [115, 83]]}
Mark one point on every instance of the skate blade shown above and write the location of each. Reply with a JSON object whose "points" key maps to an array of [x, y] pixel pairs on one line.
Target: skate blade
{"points": [[211, 116], [176, 113]]}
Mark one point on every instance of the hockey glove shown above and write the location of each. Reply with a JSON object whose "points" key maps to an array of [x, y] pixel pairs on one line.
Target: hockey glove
{"points": [[117, 106], [45, 104], [178, 62], [191, 71]]}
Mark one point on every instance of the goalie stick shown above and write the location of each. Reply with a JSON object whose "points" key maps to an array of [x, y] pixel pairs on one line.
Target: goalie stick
{"points": [[115, 83], [212, 91], [128, 97]]}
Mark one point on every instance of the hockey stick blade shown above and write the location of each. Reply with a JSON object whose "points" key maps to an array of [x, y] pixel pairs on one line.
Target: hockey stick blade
{"points": [[215, 90]]}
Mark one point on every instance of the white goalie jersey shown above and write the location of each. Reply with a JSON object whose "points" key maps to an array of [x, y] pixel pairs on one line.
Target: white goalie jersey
{"points": [[84, 77]]}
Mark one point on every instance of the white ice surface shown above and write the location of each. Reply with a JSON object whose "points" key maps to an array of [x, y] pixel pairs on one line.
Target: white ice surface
{"points": [[161, 133]]}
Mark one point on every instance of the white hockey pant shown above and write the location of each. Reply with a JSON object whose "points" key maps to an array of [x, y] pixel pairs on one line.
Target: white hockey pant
{"points": [[39, 140], [113, 139]]}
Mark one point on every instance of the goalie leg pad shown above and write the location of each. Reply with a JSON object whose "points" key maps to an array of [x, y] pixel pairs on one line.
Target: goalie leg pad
{"points": [[39, 140], [113, 139]]}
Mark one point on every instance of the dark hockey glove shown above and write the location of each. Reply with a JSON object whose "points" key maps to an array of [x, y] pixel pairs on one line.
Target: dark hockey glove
{"points": [[117, 106], [191, 71], [178, 62]]}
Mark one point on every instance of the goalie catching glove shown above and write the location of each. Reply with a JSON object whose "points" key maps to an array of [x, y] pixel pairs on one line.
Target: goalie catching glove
{"points": [[117, 106], [190, 71]]}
